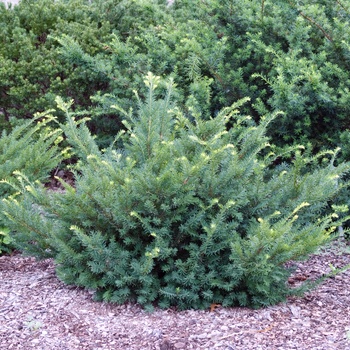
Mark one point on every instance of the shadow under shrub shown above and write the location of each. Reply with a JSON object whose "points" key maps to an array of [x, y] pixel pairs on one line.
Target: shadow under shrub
{"points": [[186, 213]]}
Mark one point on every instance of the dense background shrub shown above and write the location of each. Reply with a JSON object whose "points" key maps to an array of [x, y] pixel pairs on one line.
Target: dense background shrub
{"points": [[284, 55], [32, 72], [185, 213]]}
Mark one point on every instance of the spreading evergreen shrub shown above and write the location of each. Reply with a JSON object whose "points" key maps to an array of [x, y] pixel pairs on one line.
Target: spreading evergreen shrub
{"points": [[186, 212]]}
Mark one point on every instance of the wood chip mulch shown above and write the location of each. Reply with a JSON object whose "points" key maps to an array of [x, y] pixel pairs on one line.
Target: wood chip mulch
{"points": [[37, 311]]}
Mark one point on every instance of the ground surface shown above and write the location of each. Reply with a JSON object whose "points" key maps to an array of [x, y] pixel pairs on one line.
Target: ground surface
{"points": [[37, 311]]}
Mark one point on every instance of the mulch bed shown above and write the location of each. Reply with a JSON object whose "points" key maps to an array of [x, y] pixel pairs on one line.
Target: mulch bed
{"points": [[37, 311]]}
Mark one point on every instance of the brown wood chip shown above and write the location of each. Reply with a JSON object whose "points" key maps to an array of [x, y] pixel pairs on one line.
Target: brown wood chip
{"points": [[37, 311]]}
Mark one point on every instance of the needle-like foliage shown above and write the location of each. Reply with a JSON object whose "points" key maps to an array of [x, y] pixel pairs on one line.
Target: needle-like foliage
{"points": [[187, 212]]}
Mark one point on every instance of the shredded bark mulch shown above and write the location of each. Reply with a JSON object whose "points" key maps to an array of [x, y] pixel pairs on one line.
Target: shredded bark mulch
{"points": [[37, 311]]}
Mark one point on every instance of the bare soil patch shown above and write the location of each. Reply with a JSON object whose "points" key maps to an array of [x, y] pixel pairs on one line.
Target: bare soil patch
{"points": [[37, 311]]}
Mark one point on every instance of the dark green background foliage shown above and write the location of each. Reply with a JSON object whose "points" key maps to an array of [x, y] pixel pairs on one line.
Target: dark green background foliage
{"points": [[284, 55], [186, 213], [32, 70]]}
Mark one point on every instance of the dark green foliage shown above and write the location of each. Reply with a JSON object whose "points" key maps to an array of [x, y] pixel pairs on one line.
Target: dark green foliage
{"points": [[163, 44], [187, 212], [284, 55], [32, 70]]}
